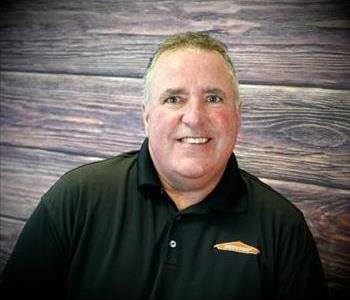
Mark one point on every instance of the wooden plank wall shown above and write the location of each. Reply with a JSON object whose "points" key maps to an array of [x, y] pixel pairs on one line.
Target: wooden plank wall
{"points": [[71, 89]]}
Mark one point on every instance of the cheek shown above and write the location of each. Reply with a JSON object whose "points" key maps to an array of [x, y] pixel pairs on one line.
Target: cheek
{"points": [[160, 122], [224, 122]]}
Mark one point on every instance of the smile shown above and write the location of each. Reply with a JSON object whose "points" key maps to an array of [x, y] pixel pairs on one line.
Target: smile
{"points": [[194, 140]]}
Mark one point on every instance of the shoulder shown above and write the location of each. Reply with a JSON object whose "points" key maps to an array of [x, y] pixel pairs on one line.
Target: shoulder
{"points": [[101, 171], [265, 200], [104, 169], [83, 193], [281, 224], [88, 182]]}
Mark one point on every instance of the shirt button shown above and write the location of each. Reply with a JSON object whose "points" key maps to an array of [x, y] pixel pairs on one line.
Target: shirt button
{"points": [[172, 244], [178, 218]]}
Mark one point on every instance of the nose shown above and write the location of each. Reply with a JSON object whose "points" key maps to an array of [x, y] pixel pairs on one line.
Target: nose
{"points": [[194, 113]]}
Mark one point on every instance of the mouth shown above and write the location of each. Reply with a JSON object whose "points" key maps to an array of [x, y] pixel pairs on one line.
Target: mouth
{"points": [[194, 140]]}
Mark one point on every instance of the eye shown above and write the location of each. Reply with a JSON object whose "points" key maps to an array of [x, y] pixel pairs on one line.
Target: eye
{"points": [[214, 99], [172, 100]]}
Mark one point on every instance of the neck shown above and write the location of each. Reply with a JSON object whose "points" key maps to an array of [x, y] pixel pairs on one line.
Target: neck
{"points": [[184, 200], [186, 197]]}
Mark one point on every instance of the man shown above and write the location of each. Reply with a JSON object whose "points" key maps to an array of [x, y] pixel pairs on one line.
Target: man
{"points": [[177, 219]]}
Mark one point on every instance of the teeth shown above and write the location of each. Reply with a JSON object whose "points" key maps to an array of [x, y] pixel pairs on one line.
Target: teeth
{"points": [[195, 140]]}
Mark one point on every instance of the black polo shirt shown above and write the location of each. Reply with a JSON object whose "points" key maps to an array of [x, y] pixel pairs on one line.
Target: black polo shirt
{"points": [[107, 230]]}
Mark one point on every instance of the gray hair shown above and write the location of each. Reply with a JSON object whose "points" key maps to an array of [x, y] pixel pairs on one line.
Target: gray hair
{"points": [[191, 40]]}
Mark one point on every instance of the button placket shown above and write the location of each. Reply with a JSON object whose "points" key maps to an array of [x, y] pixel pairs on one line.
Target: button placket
{"points": [[174, 241]]}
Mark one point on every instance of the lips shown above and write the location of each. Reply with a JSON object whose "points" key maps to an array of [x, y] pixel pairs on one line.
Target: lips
{"points": [[194, 140]]}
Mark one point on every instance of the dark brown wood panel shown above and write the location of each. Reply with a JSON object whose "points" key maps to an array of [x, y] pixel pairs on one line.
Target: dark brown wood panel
{"points": [[296, 134], [89, 115], [27, 173], [295, 42], [288, 133], [293, 58]]}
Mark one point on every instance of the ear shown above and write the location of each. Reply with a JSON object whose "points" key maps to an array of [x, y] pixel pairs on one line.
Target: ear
{"points": [[145, 116]]}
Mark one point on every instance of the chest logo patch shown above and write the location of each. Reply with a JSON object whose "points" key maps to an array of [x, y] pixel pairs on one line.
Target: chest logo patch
{"points": [[237, 246]]}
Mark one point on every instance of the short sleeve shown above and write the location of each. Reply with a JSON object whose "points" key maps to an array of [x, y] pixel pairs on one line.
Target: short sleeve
{"points": [[300, 273]]}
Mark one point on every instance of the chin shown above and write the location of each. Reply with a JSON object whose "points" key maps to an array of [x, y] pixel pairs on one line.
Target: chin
{"points": [[192, 170]]}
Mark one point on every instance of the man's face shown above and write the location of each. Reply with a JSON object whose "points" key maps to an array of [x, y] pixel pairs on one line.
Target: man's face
{"points": [[191, 119]]}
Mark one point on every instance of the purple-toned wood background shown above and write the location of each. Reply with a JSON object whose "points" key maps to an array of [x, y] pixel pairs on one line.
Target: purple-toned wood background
{"points": [[71, 92]]}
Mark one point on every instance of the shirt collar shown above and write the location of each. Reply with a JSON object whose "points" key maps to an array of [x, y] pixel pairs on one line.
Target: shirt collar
{"points": [[146, 172], [229, 195]]}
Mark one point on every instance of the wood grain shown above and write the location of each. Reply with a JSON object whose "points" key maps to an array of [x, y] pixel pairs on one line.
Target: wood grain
{"points": [[116, 38], [296, 134], [27, 173], [71, 89], [288, 133]]}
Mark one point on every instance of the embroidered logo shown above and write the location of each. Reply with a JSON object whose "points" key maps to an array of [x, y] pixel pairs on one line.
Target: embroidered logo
{"points": [[237, 246]]}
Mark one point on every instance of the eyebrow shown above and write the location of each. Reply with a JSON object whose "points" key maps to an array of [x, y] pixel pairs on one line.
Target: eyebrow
{"points": [[170, 91], [216, 91], [180, 91]]}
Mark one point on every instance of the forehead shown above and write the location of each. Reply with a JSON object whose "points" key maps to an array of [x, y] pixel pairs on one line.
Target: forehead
{"points": [[193, 57], [190, 67]]}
